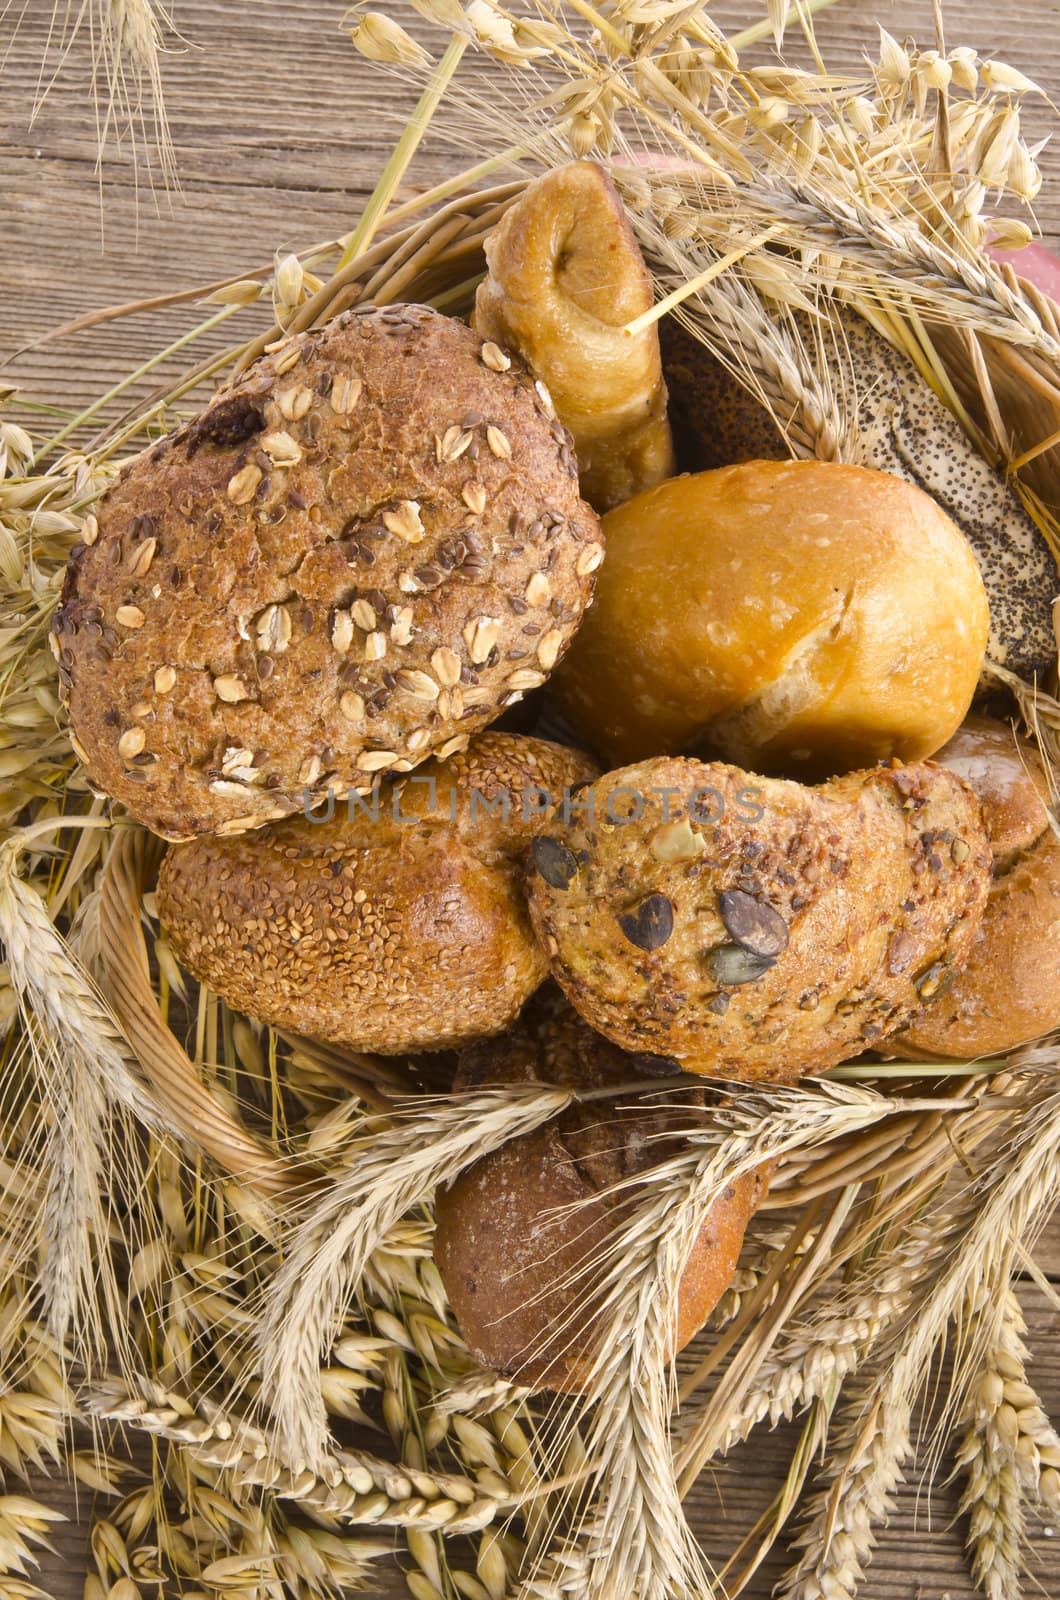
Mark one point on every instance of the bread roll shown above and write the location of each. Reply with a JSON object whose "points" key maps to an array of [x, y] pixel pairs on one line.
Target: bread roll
{"points": [[565, 276], [901, 427], [1009, 990], [751, 928], [503, 1257], [398, 929], [365, 548], [800, 618]]}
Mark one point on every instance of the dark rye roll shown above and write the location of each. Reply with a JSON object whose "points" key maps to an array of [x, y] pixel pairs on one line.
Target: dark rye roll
{"points": [[503, 1254], [398, 925], [367, 547]]}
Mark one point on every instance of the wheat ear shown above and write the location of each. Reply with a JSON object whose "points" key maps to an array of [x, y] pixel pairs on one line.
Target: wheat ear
{"points": [[389, 1170], [1008, 1446], [866, 1462], [638, 1517], [353, 1485]]}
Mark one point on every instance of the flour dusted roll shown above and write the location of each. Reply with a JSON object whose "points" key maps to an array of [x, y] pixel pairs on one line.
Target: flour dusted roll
{"points": [[504, 1254], [803, 618]]}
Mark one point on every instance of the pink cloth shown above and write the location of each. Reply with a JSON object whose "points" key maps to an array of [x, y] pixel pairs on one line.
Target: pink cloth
{"points": [[1036, 264]]}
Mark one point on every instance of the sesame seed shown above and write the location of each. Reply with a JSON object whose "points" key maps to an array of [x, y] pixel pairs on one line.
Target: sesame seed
{"points": [[282, 450], [539, 590], [345, 393], [419, 684], [352, 706], [589, 559], [549, 647], [363, 615], [129, 617], [294, 403], [405, 522], [342, 632], [141, 558], [498, 443], [89, 530], [376, 760], [230, 689], [494, 357], [131, 743], [375, 647], [445, 664]]}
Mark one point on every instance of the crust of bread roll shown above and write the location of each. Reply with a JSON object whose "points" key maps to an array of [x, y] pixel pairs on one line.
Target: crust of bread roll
{"points": [[803, 618], [504, 1258], [753, 928], [388, 935], [330, 573], [1009, 990], [565, 277], [902, 427]]}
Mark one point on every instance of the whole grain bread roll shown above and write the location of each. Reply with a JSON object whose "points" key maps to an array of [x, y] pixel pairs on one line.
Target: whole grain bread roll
{"points": [[565, 277], [801, 618], [357, 556], [752, 928], [503, 1258], [399, 924], [1009, 989]]}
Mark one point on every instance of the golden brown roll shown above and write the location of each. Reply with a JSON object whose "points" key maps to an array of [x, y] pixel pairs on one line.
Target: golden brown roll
{"points": [[503, 1258], [398, 925], [802, 618], [365, 549], [565, 277], [1009, 989], [752, 928], [904, 428]]}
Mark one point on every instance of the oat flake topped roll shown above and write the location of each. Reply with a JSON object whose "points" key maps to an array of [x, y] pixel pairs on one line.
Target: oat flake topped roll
{"points": [[358, 555]]}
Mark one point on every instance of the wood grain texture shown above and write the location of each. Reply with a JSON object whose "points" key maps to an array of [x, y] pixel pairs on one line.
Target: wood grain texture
{"points": [[281, 130]]}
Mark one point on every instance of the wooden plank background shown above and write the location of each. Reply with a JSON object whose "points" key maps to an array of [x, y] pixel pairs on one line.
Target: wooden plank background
{"points": [[281, 130]]}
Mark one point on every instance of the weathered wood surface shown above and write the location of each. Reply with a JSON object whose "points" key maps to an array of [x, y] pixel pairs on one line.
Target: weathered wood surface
{"points": [[280, 132]]}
